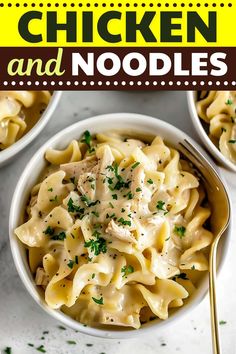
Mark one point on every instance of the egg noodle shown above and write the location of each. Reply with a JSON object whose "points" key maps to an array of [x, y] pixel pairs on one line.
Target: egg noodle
{"points": [[19, 112], [218, 109], [116, 230]]}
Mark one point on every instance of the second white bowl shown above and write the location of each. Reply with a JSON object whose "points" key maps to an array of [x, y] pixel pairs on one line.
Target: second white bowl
{"points": [[203, 135], [10, 153]]}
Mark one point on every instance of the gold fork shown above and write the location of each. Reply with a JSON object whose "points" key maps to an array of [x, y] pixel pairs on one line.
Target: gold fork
{"points": [[220, 203]]}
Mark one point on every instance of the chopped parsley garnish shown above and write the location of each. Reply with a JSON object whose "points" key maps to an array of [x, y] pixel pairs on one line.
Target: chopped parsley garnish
{"points": [[98, 301], [30, 345], [111, 205], [129, 196], [89, 345], [41, 349], [87, 140], [62, 328], [72, 208], [109, 180], [111, 216], [122, 210], [71, 263], [222, 322], [98, 245], [160, 205], [120, 183], [93, 275], [232, 141], [70, 342], [53, 199], [150, 181], [229, 102], [114, 196], [95, 213], [50, 189], [87, 201], [127, 270], [7, 350], [49, 231], [135, 165], [223, 130], [180, 231], [110, 168], [124, 222], [193, 267], [138, 189], [61, 236]]}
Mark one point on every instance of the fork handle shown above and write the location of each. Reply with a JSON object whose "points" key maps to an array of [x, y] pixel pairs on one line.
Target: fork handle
{"points": [[212, 293]]}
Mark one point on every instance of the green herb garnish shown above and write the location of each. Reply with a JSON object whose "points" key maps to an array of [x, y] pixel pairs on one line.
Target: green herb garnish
{"points": [[222, 322], [87, 140], [87, 201], [127, 270], [111, 205], [138, 189], [62, 328], [232, 141], [50, 189], [135, 165], [114, 196], [124, 222], [70, 342], [71, 263], [72, 208], [160, 205], [49, 231], [61, 236], [98, 301], [180, 231], [98, 245], [93, 275], [7, 350], [229, 102], [41, 349], [150, 181]]}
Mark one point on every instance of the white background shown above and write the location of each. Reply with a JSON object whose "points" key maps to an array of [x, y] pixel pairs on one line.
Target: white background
{"points": [[21, 319]]}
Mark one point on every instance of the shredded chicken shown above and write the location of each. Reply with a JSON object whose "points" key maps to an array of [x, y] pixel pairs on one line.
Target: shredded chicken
{"points": [[75, 169], [41, 277], [120, 232], [86, 184]]}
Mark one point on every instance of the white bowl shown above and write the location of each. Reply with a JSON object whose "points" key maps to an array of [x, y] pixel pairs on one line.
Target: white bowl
{"points": [[203, 134], [9, 153], [127, 121]]}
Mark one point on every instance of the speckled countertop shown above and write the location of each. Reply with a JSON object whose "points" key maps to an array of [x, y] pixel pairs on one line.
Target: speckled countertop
{"points": [[22, 321]]}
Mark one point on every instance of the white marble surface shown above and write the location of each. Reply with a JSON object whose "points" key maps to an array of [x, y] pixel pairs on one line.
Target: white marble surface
{"points": [[21, 319]]}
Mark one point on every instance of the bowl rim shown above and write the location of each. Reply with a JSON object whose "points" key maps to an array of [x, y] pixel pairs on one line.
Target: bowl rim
{"points": [[203, 135], [75, 131], [26, 139]]}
